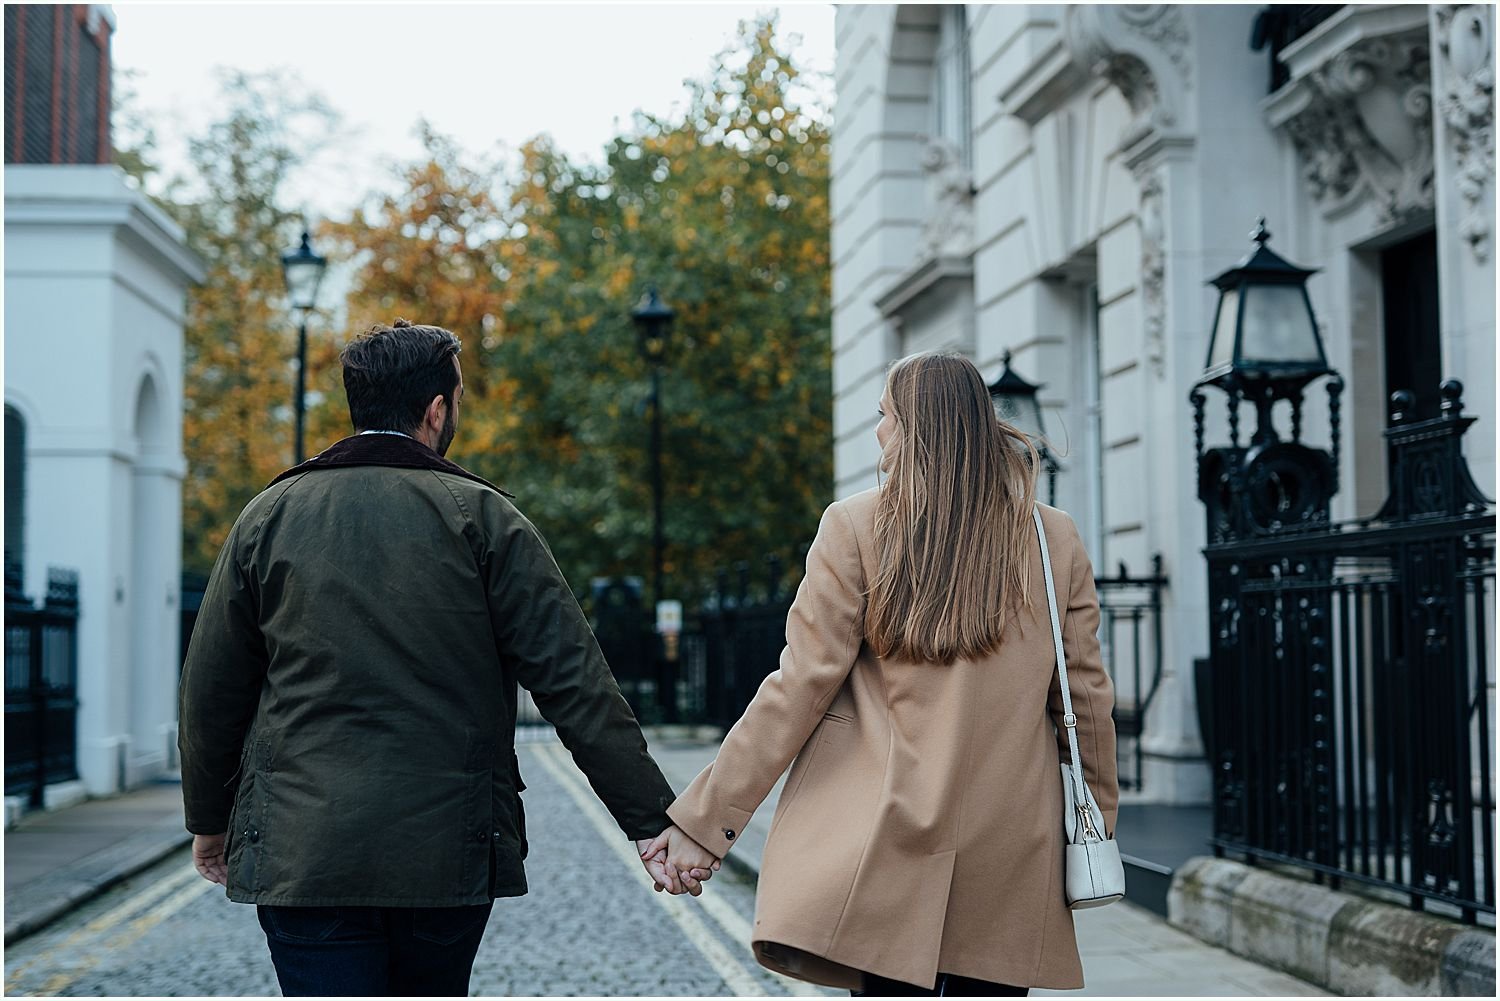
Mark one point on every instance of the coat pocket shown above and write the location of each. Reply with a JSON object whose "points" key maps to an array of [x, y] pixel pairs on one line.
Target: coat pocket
{"points": [[832, 726], [244, 839]]}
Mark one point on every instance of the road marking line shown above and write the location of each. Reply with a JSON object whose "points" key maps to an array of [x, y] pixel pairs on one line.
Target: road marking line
{"points": [[737, 928], [101, 924], [735, 975], [130, 934]]}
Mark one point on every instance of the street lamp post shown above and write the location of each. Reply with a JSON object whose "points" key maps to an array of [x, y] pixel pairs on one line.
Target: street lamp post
{"points": [[303, 271], [653, 324]]}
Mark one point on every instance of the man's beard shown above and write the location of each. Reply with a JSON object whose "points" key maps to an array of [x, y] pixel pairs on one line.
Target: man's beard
{"points": [[450, 428]]}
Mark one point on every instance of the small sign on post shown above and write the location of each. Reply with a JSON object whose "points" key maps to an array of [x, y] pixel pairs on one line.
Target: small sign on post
{"points": [[669, 626]]}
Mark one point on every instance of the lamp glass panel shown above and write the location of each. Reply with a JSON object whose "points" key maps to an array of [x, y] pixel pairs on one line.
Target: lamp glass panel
{"points": [[1221, 348], [302, 281], [1023, 413], [1278, 327]]}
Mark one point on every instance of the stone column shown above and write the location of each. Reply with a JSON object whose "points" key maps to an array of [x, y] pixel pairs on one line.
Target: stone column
{"points": [[1463, 94]]}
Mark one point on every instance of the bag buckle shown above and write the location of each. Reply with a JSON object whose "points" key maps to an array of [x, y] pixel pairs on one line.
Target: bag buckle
{"points": [[1085, 815], [1070, 720]]}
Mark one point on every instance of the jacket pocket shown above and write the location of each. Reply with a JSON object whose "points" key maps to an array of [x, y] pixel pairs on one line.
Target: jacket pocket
{"points": [[800, 767], [243, 841]]}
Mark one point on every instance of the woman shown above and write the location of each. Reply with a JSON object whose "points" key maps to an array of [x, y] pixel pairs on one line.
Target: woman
{"points": [[918, 847]]}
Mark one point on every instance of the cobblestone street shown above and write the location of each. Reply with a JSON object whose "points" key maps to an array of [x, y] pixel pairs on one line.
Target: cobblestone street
{"points": [[591, 924]]}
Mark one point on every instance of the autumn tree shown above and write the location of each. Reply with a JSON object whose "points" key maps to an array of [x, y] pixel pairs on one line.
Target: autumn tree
{"points": [[240, 345], [432, 252]]}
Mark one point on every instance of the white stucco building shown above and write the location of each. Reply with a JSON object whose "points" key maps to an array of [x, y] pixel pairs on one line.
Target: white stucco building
{"points": [[95, 293], [1060, 182]]}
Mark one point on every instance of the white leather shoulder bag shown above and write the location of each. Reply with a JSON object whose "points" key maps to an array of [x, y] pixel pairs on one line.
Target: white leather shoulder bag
{"points": [[1095, 875]]}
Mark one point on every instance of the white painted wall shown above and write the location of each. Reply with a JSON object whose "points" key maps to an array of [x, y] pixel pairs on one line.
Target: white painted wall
{"points": [[95, 285]]}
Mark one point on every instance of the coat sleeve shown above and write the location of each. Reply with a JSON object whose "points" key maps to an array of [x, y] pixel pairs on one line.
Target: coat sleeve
{"points": [[219, 690], [1092, 693], [542, 633], [824, 630]]}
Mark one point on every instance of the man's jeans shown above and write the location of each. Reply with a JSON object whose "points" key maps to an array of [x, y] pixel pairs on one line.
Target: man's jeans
{"points": [[374, 951]]}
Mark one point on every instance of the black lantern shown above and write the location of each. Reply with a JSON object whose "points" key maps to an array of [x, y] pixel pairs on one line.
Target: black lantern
{"points": [[1264, 331], [1265, 348], [303, 271], [653, 323], [1016, 404]]}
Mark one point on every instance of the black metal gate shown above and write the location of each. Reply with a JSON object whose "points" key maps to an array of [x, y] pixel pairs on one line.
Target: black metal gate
{"points": [[735, 640], [41, 686], [1351, 682]]}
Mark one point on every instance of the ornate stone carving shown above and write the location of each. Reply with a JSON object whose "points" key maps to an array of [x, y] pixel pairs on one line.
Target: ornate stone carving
{"points": [[1153, 270], [1327, 153], [1162, 24], [1466, 101], [1143, 50], [1364, 125], [949, 227]]}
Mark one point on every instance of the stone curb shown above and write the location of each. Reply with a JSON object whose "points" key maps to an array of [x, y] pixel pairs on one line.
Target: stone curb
{"points": [[1346, 944], [30, 908]]}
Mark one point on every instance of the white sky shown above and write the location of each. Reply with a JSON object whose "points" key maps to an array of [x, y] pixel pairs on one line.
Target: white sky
{"points": [[482, 73]]}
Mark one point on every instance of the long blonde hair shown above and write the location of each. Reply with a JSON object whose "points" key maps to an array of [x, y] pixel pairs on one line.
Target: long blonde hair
{"points": [[953, 521]]}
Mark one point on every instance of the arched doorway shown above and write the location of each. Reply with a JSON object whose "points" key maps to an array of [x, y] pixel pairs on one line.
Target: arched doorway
{"points": [[150, 598]]}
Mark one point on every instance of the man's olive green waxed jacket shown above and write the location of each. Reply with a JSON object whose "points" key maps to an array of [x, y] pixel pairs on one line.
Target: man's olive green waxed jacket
{"points": [[348, 703]]}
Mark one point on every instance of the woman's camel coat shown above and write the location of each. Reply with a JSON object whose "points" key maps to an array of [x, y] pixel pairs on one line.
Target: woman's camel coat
{"points": [[921, 827]]}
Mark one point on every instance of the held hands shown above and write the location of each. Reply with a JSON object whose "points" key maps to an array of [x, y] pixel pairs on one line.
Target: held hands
{"points": [[677, 862]]}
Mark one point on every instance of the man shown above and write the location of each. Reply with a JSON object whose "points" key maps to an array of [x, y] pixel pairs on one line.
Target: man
{"points": [[348, 703]]}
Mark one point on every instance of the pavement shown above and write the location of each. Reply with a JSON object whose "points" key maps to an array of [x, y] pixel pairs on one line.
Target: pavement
{"points": [[59, 862]]}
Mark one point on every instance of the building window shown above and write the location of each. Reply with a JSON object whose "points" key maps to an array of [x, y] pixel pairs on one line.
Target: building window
{"points": [[950, 85], [15, 489]]}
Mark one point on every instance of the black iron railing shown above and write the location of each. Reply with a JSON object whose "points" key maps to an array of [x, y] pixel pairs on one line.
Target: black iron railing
{"points": [[1130, 640], [734, 642], [1352, 685], [41, 686], [1279, 26]]}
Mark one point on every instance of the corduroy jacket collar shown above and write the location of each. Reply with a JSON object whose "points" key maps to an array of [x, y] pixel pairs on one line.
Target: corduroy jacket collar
{"points": [[396, 450]]}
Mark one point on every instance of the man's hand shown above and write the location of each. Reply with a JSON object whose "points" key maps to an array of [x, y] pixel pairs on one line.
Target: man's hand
{"points": [[671, 881], [687, 863], [208, 858]]}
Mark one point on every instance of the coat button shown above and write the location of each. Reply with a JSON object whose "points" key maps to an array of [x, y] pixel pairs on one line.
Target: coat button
{"points": [[254, 836], [728, 834], [481, 836], [495, 835]]}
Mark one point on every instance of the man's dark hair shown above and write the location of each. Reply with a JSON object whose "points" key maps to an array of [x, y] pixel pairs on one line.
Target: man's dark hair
{"points": [[392, 373]]}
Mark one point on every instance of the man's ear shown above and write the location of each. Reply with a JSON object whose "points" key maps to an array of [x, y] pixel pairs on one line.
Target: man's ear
{"points": [[433, 418]]}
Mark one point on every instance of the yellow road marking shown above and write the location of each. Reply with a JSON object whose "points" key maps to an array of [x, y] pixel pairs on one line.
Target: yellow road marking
{"points": [[738, 978], [104, 922], [131, 933]]}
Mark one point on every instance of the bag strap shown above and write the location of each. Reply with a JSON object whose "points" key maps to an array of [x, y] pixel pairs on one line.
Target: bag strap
{"points": [[1070, 721]]}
